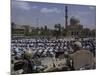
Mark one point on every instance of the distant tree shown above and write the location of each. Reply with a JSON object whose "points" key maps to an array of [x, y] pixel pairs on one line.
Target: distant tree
{"points": [[41, 31], [26, 33], [45, 28], [12, 27], [57, 30], [64, 32], [93, 33]]}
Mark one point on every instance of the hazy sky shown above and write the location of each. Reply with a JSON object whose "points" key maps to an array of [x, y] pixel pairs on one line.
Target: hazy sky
{"points": [[33, 13]]}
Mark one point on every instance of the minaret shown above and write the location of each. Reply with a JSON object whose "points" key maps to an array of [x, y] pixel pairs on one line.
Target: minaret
{"points": [[66, 16]]}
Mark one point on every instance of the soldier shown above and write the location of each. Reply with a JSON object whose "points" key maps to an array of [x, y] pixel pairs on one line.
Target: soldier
{"points": [[81, 58]]}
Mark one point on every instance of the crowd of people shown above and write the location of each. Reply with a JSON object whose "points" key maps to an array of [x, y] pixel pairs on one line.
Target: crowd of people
{"points": [[41, 48]]}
